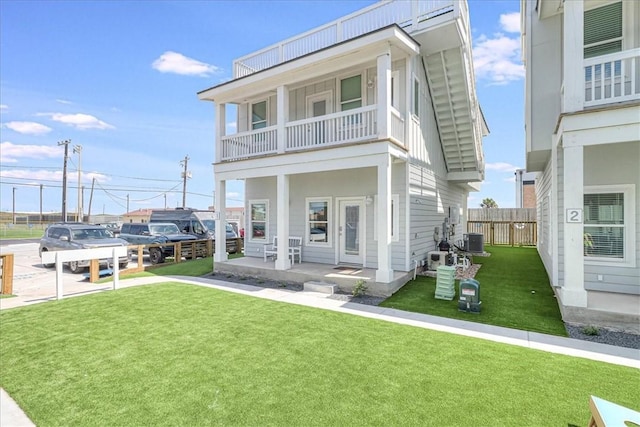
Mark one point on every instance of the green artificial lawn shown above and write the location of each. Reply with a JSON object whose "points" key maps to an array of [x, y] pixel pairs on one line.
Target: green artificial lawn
{"points": [[182, 355], [514, 290]]}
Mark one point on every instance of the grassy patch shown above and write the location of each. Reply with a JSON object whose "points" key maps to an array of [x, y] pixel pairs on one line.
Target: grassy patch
{"points": [[195, 268], [175, 354], [514, 290], [21, 231]]}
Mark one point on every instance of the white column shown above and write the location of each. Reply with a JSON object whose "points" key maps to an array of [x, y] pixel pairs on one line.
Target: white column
{"points": [[220, 129], [220, 254], [384, 95], [573, 56], [384, 274], [283, 262], [282, 112], [573, 292]]}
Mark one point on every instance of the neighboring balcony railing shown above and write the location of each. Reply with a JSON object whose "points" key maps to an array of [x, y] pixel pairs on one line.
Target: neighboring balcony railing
{"points": [[397, 126], [612, 78], [332, 129], [408, 14]]}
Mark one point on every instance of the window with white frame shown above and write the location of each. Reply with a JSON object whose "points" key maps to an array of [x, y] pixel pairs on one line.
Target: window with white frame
{"points": [[259, 219], [395, 89], [318, 221], [609, 215], [351, 93], [416, 97], [259, 115], [395, 218], [603, 30]]}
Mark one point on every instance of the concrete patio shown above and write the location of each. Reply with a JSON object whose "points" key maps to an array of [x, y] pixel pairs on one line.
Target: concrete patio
{"points": [[344, 276]]}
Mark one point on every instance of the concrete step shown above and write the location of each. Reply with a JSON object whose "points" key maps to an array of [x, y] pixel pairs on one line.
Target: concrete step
{"points": [[321, 287]]}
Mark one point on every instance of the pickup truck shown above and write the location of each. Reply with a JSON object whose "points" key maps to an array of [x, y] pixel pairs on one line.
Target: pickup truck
{"points": [[155, 233]]}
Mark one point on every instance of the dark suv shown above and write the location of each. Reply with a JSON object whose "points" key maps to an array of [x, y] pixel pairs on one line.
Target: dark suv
{"points": [[67, 236], [154, 233]]}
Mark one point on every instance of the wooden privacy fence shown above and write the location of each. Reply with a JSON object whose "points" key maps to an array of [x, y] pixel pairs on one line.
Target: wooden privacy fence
{"points": [[514, 233]]}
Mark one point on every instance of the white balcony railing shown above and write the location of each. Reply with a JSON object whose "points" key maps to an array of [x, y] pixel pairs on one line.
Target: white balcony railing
{"points": [[332, 129], [409, 14], [612, 78], [397, 125], [249, 144]]}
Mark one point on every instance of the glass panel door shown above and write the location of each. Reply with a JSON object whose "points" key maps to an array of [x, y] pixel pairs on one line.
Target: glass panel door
{"points": [[351, 231]]}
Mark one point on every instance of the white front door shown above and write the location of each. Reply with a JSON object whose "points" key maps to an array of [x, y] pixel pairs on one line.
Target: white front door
{"points": [[318, 105], [351, 231]]}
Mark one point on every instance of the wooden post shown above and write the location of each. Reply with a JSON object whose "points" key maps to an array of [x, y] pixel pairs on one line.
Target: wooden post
{"points": [[511, 229], [209, 247], [177, 252], [94, 270], [140, 258], [7, 274]]}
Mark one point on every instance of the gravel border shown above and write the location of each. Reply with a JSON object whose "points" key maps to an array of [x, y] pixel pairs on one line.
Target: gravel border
{"points": [[605, 336]]}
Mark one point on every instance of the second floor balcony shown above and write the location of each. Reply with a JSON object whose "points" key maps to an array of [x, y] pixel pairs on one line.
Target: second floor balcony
{"points": [[331, 130], [612, 78]]}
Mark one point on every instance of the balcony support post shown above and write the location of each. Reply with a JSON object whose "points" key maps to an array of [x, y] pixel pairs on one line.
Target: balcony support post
{"points": [[282, 113], [220, 253], [573, 292], [384, 273], [282, 222], [573, 56], [220, 129], [384, 95]]}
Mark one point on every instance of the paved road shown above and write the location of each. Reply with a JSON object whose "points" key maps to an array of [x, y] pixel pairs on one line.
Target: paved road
{"points": [[32, 282]]}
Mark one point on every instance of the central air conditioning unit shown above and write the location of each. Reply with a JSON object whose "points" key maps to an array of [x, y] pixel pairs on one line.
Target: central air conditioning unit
{"points": [[473, 242], [437, 258]]}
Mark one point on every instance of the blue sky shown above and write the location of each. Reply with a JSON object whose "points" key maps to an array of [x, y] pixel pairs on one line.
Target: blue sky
{"points": [[120, 80]]}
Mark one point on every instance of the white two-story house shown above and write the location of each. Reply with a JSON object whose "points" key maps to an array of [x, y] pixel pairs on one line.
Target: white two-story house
{"points": [[582, 62], [362, 136]]}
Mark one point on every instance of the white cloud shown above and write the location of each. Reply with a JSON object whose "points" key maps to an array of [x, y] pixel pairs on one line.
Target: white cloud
{"points": [[64, 101], [29, 128], [10, 152], [510, 22], [37, 176], [174, 62], [232, 126], [510, 179], [497, 58], [78, 120], [34, 176], [501, 167], [4, 107]]}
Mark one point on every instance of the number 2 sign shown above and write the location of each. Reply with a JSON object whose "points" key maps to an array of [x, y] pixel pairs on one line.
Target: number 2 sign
{"points": [[574, 215]]}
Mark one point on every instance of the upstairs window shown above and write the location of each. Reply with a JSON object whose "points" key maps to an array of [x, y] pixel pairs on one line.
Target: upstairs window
{"points": [[603, 30], [259, 115], [416, 97], [351, 93]]}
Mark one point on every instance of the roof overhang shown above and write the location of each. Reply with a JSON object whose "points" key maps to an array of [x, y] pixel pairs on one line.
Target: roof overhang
{"points": [[391, 39]]}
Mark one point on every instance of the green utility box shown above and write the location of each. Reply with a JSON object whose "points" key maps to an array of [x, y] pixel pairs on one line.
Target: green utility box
{"points": [[446, 282], [469, 296]]}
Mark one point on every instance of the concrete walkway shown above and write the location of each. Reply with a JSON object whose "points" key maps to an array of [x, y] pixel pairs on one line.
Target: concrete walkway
{"points": [[13, 416]]}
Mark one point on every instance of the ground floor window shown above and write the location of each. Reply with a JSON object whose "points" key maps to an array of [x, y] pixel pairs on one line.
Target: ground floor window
{"points": [[317, 224], [259, 219], [608, 223]]}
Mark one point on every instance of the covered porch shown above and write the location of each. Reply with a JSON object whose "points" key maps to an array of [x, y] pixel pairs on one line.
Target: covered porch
{"points": [[344, 276]]}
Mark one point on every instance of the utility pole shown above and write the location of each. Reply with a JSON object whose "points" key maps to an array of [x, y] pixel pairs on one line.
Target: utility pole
{"points": [[93, 183], [14, 206], [78, 149], [66, 143], [127, 203], [165, 201], [185, 175], [41, 204]]}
